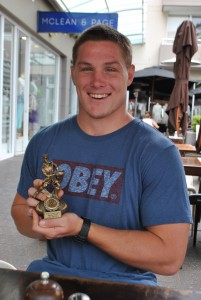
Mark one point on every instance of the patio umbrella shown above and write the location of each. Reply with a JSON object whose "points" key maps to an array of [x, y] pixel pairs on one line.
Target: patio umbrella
{"points": [[158, 81], [184, 46]]}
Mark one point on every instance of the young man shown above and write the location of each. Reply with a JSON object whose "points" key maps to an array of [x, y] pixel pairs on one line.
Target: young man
{"points": [[125, 178]]}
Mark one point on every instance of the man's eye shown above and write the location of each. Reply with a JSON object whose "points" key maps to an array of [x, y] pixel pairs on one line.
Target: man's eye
{"points": [[111, 69]]}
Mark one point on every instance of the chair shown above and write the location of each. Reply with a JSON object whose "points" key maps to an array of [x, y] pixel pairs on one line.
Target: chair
{"points": [[190, 186], [6, 265], [191, 190], [198, 140], [195, 200]]}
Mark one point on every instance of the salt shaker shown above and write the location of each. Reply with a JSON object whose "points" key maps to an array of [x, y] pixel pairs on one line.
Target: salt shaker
{"points": [[44, 288], [78, 296]]}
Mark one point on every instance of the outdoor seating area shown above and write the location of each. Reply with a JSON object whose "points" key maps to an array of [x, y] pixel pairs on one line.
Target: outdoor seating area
{"points": [[192, 165]]}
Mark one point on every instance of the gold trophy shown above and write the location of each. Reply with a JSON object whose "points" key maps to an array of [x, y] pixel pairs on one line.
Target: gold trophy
{"points": [[52, 207]]}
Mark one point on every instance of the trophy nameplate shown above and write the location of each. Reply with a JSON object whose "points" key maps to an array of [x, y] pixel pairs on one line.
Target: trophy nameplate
{"points": [[52, 207]]}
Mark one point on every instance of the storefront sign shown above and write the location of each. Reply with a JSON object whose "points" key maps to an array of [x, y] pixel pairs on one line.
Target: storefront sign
{"points": [[73, 22]]}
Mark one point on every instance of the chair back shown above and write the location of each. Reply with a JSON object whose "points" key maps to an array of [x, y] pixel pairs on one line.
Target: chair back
{"points": [[198, 141], [6, 265]]}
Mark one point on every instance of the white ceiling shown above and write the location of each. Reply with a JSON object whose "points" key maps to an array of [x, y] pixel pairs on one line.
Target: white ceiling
{"points": [[130, 13]]}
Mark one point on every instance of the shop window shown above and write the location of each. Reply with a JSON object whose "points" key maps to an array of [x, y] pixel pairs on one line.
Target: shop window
{"points": [[42, 88], [175, 21], [7, 88], [20, 98], [73, 99], [197, 22]]}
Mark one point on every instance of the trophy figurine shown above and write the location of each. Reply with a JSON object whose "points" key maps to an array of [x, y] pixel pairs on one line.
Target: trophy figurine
{"points": [[52, 207]]}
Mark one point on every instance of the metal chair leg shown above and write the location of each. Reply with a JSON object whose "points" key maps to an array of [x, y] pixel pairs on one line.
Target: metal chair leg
{"points": [[197, 220]]}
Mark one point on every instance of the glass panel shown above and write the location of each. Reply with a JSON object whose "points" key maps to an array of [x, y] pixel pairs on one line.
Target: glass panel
{"points": [[21, 122], [131, 24], [73, 100], [197, 22], [123, 4], [86, 6], [173, 23], [131, 16], [42, 99], [7, 84], [22, 39]]}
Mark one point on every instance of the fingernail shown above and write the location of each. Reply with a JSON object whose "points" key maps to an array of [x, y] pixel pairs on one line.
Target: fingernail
{"points": [[42, 222]]}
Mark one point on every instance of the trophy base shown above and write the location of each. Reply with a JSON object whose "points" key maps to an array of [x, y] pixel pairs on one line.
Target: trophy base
{"points": [[42, 211], [52, 214]]}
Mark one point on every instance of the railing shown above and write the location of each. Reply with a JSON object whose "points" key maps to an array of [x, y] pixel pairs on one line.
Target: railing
{"points": [[170, 41]]}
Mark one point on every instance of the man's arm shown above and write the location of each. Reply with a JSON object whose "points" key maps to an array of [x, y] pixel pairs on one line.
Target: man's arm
{"points": [[22, 215], [161, 249], [155, 124]]}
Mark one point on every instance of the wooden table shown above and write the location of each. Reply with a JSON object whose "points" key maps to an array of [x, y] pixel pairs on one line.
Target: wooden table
{"points": [[176, 139], [186, 148], [192, 165], [13, 284]]}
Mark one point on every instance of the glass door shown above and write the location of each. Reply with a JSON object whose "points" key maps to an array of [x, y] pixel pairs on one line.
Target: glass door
{"points": [[43, 90], [7, 90], [21, 92]]}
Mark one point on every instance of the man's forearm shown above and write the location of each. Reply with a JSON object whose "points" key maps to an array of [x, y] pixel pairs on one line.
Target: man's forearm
{"points": [[159, 253], [22, 219]]}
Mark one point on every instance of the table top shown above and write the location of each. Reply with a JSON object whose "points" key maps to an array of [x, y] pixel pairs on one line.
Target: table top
{"points": [[186, 148], [176, 139], [13, 284], [192, 165]]}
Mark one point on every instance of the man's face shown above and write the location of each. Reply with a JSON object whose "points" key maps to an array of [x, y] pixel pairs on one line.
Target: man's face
{"points": [[101, 79]]}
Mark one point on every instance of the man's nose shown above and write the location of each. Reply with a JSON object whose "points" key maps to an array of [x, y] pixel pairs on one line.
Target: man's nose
{"points": [[98, 78]]}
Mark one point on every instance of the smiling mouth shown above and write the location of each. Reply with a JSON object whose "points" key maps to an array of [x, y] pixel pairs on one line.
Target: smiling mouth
{"points": [[99, 96]]}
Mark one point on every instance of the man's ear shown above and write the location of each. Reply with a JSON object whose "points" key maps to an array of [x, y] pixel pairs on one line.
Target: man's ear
{"points": [[131, 73], [72, 74]]}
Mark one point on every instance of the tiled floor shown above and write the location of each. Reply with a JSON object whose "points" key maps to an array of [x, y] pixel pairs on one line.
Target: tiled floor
{"points": [[20, 251]]}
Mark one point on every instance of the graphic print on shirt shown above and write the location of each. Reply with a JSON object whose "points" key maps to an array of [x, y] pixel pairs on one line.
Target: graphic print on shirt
{"points": [[101, 183]]}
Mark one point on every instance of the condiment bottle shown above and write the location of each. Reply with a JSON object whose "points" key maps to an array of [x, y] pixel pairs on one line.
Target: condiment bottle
{"points": [[44, 288]]}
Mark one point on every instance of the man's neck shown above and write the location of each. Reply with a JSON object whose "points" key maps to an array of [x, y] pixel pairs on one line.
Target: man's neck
{"points": [[102, 126]]}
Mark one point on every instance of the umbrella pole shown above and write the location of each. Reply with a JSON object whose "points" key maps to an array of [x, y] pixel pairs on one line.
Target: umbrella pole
{"points": [[178, 120], [149, 100], [152, 95], [136, 99], [193, 103]]}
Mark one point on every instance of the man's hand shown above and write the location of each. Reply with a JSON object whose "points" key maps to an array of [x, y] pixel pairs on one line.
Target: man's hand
{"points": [[68, 225], [23, 210]]}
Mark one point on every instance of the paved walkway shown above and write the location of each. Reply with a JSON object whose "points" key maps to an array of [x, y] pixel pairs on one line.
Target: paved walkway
{"points": [[14, 248], [20, 250]]}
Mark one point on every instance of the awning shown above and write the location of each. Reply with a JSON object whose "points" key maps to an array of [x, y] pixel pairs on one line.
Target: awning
{"points": [[156, 82]]}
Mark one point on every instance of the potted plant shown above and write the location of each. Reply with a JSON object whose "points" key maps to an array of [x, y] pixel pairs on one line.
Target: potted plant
{"points": [[195, 121], [191, 133]]}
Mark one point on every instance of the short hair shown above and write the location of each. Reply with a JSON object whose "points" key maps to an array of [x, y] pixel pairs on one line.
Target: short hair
{"points": [[147, 114], [104, 33]]}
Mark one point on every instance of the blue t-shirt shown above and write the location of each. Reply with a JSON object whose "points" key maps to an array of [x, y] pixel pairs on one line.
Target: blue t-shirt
{"points": [[128, 179]]}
